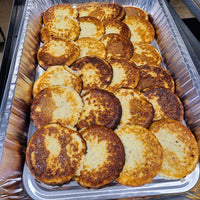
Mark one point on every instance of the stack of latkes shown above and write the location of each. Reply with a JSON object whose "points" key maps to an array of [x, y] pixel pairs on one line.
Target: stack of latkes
{"points": [[105, 109]]}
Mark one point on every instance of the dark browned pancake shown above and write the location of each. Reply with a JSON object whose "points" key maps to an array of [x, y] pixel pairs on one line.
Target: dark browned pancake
{"points": [[60, 27], [117, 46], [59, 10], [104, 159], [146, 54], [125, 74], [117, 26], [57, 52], [141, 29], [113, 10], [143, 155], [55, 154], [95, 72], [91, 9], [91, 47], [100, 108], [91, 27], [56, 104], [135, 12], [180, 148], [155, 76], [135, 107], [165, 103]]}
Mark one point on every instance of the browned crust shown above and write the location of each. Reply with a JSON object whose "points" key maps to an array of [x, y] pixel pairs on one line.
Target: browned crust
{"points": [[141, 29], [113, 10], [44, 105], [64, 166], [137, 106], [135, 12], [46, 56], [92, 9], [122, 28], [102, 72], [49, 14], [104, 109], [149, 159], [41, 118], [117, 46], [166, 104], [155, 76], [70, 30], [184, 164], [131, 72], [95, 178], [146, 54]]}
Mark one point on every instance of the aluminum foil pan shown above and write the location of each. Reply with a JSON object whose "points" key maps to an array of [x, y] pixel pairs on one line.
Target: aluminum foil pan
{"points": [[15, 123]]}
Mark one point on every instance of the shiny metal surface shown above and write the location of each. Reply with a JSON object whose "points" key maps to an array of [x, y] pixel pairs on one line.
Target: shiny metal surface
{"points": [[14, 116]]}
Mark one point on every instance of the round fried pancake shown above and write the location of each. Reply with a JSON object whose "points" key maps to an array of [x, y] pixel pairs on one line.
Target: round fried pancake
{"points": [[143, 155], [95, 72], [91, 47], [141, 29], [60, 27], [92, 9], [57, 52], [104, 159], [166, 104], [55, 154], [135, 12], [100, 108], [117, 26], [56, 104], [180, 148], [155, 76], [125, 74], [90, 27], [60, 10], [57, 75], [112, 10], [117, 46], [135, 107], [146, 54]]}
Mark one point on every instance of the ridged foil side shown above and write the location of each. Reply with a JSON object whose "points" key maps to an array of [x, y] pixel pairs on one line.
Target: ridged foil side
{"points": [[16, 107], [180, 65]]}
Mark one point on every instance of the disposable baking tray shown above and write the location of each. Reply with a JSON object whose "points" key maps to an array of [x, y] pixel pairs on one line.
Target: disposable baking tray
{"points": [[15, 115]]}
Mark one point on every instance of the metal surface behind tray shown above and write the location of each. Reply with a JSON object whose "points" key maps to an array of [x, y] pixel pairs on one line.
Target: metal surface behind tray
{"points": [[177, 61]]}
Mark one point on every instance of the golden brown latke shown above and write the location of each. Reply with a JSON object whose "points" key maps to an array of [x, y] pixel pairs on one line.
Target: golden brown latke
{"points": [[143, 154], [57, 52], [166, 104], [94, 71], [56, 104], [100, 108], [55, 154], [104, 159], [180, 149]]}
